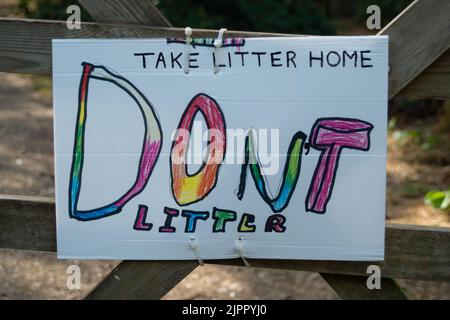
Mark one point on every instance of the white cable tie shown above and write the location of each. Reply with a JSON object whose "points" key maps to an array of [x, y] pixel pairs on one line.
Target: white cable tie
{"points": [[187, 49], [217, 45], [193, 243], [239, 247]]}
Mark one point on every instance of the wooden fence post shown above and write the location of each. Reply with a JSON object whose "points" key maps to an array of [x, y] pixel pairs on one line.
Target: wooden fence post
{"points": [[136, 279], [142, 280], [417, 37], [355, 288]]}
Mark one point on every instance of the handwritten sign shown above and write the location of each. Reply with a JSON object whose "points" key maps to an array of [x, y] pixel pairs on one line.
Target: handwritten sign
{"points": [[262, 148]]}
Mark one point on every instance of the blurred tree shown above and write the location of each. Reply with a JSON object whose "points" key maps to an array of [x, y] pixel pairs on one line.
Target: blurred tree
{"points": [[287, 16], [49, 9]]}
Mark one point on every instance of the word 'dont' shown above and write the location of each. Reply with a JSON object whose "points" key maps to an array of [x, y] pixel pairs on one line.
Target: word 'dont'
{"points": [[328, 135]]}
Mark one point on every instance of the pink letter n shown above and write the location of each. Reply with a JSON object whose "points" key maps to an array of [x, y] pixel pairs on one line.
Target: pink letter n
{"points": [[331, 135]]}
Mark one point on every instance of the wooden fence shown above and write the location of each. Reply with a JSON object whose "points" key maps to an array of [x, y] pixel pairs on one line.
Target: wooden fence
{"points": [[419, 58]]}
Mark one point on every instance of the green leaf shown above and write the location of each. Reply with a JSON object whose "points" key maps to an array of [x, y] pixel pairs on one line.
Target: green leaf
{"points": [[392, 123], [445, 205], [438, 199]]}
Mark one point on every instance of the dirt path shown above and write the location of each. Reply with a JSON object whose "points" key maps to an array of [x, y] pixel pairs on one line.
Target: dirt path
{"points": [[26, 167]]}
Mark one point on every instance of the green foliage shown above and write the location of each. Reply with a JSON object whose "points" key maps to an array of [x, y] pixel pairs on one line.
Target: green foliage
{"points": [[403, 137], [413, 190], [392, 123], [426, 140], [438, 199], [285, 16], [288, 16], [49, 9]]}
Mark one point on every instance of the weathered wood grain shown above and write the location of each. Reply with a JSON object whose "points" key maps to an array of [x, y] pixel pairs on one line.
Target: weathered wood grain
{"points": [[129, 11], [27, 223], [434, 82], [140, 280], [417, 37], [25, 45], [355, 288], [411, 252]]}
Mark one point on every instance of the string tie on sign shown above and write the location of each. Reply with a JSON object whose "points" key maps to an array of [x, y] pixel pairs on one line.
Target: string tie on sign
{"points": [[217, 45], [193, 243], [239, 248], [187, 49]]}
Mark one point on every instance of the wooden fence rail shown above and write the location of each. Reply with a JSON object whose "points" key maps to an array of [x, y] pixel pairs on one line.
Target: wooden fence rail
{"points": [[26, 48], [419, 67], [412, 252]]}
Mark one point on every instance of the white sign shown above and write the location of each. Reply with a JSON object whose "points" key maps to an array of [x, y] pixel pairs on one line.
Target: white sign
{"points": [[265, 148]]}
